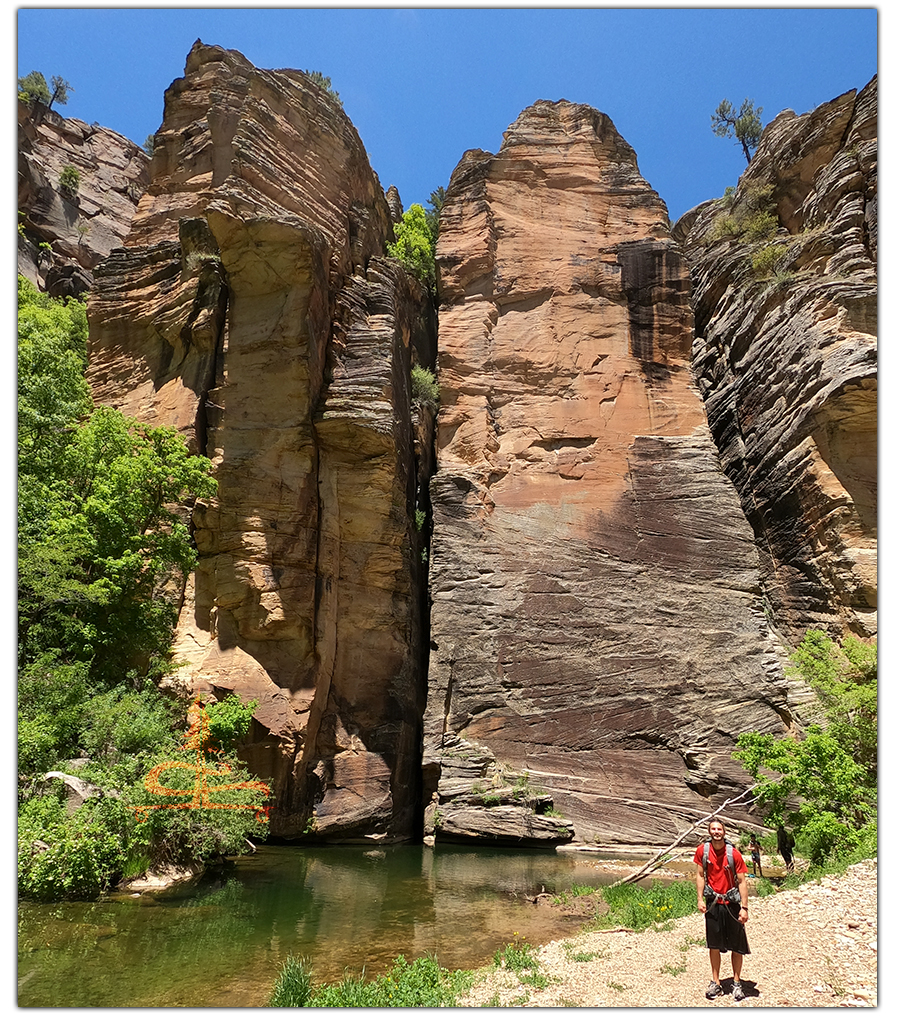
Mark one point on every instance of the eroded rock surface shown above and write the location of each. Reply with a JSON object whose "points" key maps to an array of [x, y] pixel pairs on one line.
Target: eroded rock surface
{"points": [[597, 613], [786, 356], [251, 308], [77, 228]]}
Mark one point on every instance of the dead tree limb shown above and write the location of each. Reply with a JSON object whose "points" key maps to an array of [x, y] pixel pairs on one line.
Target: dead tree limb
{"points": [[743, 799]]}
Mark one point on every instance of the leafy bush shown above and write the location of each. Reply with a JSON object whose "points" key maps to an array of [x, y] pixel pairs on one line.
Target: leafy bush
{"points": [[229, 721], [70, 180], [124, 721], [765, 259], [517, 955], [51, 705], [198, 835], [426, 390], [759, 226], [84, 853], [751, 217]]}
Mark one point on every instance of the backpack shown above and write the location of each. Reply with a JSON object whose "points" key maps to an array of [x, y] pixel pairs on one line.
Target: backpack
{"points": [[733, 894]]}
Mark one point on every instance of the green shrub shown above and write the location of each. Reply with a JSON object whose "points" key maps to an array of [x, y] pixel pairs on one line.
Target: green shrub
{"points": [[759, 226], [419, 984], [764, 260], [324, 83], [723, 227], [229, 721], [752, 216], [70, 180], [175, 835], [85, 853], [425, 388], [825, 785]]}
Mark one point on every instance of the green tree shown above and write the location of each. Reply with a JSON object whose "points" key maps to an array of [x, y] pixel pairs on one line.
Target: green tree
{"points": [[97, 531], [825, 783], [414, 245], [60, 92], [845, 677], [99, 535], [743, 124], [108, 536], [34, 87], [433, 214]]}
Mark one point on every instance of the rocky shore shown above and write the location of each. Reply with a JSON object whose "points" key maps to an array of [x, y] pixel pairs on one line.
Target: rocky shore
{"points": [[813, 947]]}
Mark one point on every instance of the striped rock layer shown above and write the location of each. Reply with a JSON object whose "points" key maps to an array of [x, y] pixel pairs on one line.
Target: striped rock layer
{"points": [[598, 615]]}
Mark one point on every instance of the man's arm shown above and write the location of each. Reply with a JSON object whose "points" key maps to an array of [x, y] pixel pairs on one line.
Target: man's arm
{"points": [[701, 884], [742, 888]]}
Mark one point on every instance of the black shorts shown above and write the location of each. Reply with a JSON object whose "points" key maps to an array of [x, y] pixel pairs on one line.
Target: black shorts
{"points": [[723, 929]]}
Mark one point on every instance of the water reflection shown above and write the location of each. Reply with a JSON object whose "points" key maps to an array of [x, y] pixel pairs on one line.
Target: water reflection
{"points": [[341, 907]]}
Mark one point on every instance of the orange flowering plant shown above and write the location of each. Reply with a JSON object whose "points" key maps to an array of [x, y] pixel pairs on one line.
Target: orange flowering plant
{"points": [[201, 802]]}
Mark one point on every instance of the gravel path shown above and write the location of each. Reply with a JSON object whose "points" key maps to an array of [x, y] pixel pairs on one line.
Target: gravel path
{"points": [[812, 947]]}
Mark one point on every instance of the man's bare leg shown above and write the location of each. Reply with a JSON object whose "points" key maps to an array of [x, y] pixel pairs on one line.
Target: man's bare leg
{"points": [[715, 962], [737, 960]]}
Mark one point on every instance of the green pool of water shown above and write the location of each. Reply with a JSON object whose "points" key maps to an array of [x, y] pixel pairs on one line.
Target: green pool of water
{"points": [[222, 943]]}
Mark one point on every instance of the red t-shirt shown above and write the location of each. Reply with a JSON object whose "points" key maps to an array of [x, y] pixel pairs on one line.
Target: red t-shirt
{"points": [[717, 876]]}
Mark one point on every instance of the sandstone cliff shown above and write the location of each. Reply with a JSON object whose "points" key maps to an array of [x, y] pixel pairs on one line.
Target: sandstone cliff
{"points": [[77, 230], [250, 308], [785, 295], [607, 608], [597, 618]]}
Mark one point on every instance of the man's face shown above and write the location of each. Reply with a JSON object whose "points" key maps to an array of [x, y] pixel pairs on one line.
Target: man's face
{"points": [[717, 832]]}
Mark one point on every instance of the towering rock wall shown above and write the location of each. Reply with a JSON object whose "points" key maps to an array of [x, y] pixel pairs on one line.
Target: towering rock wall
{"points": [[786, 357], [609, 608], [251, 309], [63, 235], [597, 613]]}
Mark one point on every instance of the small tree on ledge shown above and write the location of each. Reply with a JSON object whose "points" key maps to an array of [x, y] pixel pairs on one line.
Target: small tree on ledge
{"points": [[743, 124]]}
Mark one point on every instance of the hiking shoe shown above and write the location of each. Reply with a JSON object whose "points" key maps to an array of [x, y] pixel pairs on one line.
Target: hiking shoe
{"points": [[714, 990], [738, 991]]}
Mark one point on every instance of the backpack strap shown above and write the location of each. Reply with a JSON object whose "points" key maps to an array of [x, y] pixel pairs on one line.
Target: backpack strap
{"points": [[729, 855]]}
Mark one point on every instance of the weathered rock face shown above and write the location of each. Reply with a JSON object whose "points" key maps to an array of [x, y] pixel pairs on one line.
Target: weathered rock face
{"points": [[81, 228], [597, 612], [786, 357], [250, 308]]}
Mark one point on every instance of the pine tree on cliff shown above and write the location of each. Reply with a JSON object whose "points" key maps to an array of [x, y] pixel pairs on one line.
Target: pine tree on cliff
{"points": [[743, 124]]}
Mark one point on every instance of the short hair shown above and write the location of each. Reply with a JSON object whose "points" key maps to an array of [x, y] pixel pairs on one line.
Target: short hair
{"points": [[715, 820]]}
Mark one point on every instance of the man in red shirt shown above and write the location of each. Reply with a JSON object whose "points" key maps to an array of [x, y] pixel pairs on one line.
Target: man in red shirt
{"points": [[722, 898]]}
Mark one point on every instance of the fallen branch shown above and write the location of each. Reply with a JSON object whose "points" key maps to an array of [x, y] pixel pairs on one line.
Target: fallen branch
{"points": [[651, 865]]}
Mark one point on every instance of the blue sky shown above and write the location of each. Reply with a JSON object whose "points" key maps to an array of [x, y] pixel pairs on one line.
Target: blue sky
{"points": [[423, 85]]}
